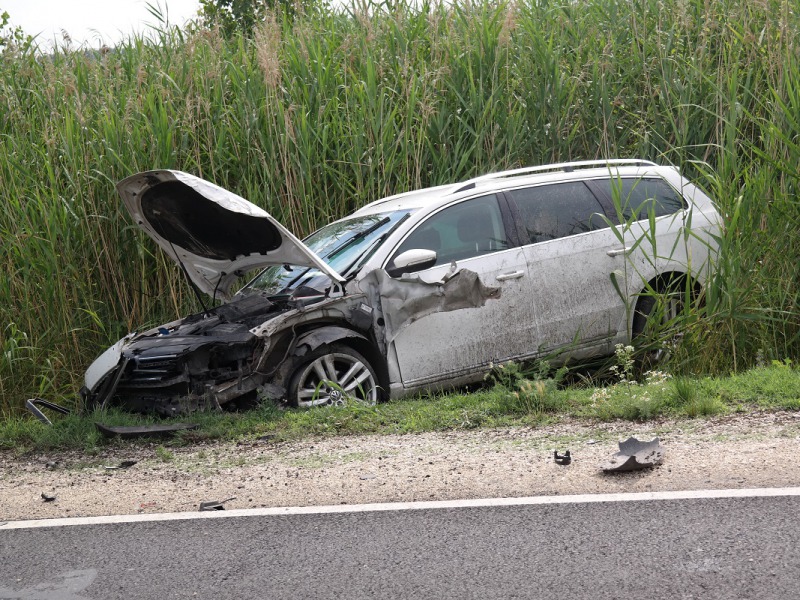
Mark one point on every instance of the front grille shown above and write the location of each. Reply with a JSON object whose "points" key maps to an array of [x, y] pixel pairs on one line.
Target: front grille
{"points": [[150, 370]]}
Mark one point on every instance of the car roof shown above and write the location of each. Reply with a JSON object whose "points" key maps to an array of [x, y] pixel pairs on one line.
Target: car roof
{"points": [[571, 171]]}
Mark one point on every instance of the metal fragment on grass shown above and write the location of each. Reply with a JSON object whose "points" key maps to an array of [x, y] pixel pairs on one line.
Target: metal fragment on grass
{"points": [[137, 431]]}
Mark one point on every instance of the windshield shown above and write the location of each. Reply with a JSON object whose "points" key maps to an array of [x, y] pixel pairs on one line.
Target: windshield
{"points": [[342, 245]]}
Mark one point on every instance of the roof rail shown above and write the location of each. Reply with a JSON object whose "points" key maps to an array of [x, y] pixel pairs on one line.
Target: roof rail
{"points": [[566, 167]]}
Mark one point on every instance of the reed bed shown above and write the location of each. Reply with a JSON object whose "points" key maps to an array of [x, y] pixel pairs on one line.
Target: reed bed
{"points": [[315, 116]]}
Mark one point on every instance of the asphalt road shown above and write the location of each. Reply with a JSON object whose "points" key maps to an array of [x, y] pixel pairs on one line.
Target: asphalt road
{"points": [[729, 548]]}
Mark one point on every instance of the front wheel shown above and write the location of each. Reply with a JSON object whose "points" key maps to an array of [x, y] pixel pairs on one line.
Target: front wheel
{"points": [[332, 374]]}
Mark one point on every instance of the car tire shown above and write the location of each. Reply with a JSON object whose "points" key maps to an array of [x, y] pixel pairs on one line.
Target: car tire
{"points": [[653, 323], [332, 374]]}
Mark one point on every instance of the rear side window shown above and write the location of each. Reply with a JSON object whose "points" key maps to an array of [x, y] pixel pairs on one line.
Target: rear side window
{"points": [[550, 212], [636, 198], [470, 228]]}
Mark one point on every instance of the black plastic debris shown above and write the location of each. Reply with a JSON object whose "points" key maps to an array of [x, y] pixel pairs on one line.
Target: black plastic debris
{"points": [[214, 504], [634, 455], [125, 464], [33, 406], [48, 497], [137, 431], [562, 459]]}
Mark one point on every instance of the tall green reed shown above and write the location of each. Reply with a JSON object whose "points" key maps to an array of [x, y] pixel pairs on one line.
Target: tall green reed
{"points": [[316, 116]]}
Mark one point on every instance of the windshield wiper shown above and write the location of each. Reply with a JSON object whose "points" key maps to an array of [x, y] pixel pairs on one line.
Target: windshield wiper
{"points": [[342, 247], [358, 236], [367, 252], [302, 274]]}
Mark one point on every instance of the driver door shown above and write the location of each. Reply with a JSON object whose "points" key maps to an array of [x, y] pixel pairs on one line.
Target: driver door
{"points": [[446, 346]]}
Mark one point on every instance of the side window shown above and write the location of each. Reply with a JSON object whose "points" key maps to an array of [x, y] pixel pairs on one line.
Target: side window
{"points": [[467, 229], [638, 197], [557, 210]]}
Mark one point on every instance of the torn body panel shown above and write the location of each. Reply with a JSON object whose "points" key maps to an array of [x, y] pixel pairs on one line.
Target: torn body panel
{"points": [[485, 316], [405, 300], [254, 343], [377, 309], [213, 234]]}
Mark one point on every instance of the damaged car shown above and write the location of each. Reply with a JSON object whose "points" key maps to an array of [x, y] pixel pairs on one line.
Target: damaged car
{"points": [[416, 292]]}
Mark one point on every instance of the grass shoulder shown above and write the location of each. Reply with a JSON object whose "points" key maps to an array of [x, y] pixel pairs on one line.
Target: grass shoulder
{"points": [[514, 398]]}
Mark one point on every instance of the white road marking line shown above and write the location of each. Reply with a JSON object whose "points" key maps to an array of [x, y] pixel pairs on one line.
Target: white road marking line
{"points": [[398, 506]]}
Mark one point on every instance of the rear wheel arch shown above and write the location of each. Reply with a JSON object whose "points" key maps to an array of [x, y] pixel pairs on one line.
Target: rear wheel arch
{"points": [[674, 282], [657, 308]]}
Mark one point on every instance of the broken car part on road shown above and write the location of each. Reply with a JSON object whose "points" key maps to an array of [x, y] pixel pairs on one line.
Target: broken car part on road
{"points": [[562, 459], [215, 504], [412, 293], [33, 406], [109, 431], [635, 455], [139, 431]]}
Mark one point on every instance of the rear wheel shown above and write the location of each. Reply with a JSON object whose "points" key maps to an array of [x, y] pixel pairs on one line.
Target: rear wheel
{"points": [[332, 374], [654, 329]]}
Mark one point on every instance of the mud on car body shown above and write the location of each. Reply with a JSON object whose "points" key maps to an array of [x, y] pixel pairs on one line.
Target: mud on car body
{"points": [[419, 291]]}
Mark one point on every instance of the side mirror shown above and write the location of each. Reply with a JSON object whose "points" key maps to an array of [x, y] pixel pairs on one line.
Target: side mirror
{"points": [[411, 261]]}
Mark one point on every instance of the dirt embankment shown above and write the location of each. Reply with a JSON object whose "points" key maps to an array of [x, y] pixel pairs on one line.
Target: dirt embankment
{"points": [[737, 451]]}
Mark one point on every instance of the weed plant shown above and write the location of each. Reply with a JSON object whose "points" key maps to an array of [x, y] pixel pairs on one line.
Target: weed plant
{"points": [[530, 391], [312, 118]]}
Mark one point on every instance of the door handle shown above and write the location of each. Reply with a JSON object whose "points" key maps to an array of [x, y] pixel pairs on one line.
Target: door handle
{"points": [[618, 251], [512, 275]]}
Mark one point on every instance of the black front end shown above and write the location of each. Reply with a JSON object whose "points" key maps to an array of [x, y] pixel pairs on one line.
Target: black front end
{"points": [[182, 367]]}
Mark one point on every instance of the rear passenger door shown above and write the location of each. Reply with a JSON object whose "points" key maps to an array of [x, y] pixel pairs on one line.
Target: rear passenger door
{"points": [[570, 250], [650, 213]]}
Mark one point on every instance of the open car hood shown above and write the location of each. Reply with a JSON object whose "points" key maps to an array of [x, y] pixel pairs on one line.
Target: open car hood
{"points": [[214, 234]]}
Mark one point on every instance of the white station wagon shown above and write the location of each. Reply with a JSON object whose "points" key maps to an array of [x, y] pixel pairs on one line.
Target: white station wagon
{"points": [[415, 292]]}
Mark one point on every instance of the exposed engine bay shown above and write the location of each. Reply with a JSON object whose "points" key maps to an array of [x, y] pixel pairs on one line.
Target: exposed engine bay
{"points": [[174, 367]]}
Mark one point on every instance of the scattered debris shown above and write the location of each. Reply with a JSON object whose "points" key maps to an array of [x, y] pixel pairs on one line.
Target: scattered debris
{"points": [[125, 464], [214, 505], [48, 497], [33, 406], [634, 455], [562, 459], [137, 431], [366, 476]]}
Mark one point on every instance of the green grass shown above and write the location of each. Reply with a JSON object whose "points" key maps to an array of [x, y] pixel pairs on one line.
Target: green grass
{"points": [[313, 118], [763, 388]]}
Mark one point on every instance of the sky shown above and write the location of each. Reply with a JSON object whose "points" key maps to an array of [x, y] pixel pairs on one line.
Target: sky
{"points": [[87, 21]]}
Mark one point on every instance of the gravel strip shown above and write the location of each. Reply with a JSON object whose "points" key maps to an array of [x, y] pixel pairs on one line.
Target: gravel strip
{"points": [[735, 451]]}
